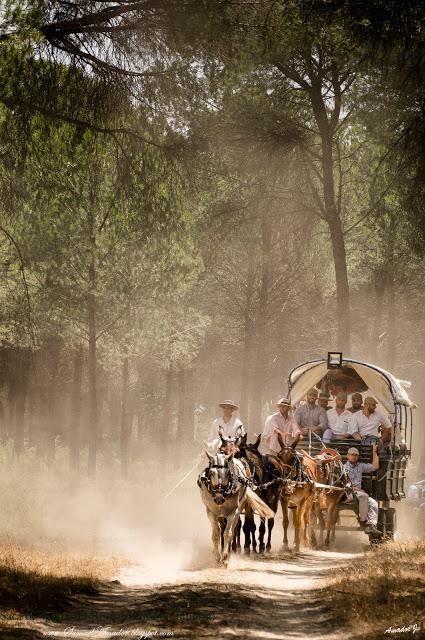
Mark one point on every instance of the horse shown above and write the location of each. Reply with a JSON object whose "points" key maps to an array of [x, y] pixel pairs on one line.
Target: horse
{"points": [[327, 469], [267, 474], [229, 445], [225, 493], [297, 494]]}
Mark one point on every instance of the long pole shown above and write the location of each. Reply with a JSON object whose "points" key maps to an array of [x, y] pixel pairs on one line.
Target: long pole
{"points": [[182, 480]]}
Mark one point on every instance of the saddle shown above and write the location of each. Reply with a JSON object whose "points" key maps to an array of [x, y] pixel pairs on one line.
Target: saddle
{"points": [[319, 467]]}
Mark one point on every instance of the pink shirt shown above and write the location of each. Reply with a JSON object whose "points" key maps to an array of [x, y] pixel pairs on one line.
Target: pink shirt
{"points": [[285, 425]]}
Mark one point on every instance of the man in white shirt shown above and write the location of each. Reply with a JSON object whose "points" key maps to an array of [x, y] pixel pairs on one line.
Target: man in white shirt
{"points": [[281, 422], [230, 425], [338, 420], [365, 424]]}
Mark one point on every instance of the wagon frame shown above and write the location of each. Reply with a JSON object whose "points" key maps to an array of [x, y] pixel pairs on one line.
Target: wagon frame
{"points": [[387, 484]]}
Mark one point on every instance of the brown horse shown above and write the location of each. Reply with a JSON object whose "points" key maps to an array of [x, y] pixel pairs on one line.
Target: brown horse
{"points": [[297, 494], [326, 468]]}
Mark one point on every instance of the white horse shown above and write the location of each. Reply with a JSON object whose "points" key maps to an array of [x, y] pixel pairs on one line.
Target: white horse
{"points": [[225, 492]]}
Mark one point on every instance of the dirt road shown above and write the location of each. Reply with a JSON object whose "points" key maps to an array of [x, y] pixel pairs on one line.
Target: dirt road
{"points": [[266, 598]]}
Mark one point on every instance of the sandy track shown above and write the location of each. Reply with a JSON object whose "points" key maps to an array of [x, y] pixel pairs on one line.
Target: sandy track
{"points": [[267, 598]]}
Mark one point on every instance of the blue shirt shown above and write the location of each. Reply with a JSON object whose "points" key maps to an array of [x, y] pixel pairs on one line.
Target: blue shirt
{"points": [[355, 472]]}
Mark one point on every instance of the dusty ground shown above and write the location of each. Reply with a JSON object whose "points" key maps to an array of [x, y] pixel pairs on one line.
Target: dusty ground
{"points": [[271, 597], [174, 590]]}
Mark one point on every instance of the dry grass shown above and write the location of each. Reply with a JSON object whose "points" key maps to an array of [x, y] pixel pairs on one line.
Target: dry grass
{"points": [[384, 588], [41, 582]]}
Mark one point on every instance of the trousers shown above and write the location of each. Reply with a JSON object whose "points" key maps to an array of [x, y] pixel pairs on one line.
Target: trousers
{"points": [[368, 507]]}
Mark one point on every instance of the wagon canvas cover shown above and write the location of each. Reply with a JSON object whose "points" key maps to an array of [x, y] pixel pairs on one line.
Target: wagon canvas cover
{"points": [[383, 385]]}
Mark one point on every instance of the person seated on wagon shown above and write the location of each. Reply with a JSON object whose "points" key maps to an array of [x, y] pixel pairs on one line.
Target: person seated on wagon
{"points": [[231, 425], [323, 401], [365, 424], [356, 402], [281, 422], [338, 420], [368, 507], [311, 417]]}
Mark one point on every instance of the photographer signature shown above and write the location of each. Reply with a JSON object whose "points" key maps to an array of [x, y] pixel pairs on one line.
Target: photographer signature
{"points": [[412, 628]]}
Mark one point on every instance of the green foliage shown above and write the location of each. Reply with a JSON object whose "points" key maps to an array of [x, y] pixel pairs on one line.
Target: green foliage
{"points": [[167, 167]]}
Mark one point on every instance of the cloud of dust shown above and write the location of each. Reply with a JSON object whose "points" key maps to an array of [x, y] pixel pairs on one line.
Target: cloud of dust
{"points": [[47, 507]]}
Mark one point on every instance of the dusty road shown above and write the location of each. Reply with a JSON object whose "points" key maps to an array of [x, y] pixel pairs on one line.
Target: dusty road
{"points": [[174, 587], [267, 598]]}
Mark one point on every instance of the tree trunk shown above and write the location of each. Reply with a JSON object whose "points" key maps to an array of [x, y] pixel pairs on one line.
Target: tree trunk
{"points": [[2, 423], [137, 412], [181, 412], [248, 344], [92, 368], [166, 434], [332, 215], [391, 293], [379, 290], [75, 412], [114, 415], [11, 359], [338, 248], [32, 402], [22, 370], [189, 411], [125, 432], [260, 325], [140, 429], [53, 354], [39, 401]]}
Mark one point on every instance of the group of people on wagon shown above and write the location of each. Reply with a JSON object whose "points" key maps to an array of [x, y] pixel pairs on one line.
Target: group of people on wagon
{"points": [[362, 422]]}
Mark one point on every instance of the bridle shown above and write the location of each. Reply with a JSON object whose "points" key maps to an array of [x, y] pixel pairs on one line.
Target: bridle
{"points": [[293, 470], [221, 462], [333, 465]]}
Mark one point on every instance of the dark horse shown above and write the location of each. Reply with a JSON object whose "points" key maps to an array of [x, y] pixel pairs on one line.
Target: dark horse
{"points": [[267, 473]]}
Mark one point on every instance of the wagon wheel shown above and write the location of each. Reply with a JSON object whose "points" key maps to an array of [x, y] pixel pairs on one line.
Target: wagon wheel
{"points": [[390, 524], [387, 524]]}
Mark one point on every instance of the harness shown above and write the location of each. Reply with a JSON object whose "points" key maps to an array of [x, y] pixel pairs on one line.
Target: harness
{"points": [[301, 475], [235, 480], [267, 467]]}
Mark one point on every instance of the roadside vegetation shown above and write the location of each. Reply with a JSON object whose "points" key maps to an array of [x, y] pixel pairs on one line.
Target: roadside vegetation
{"points": [[35, 582], [381, 590]]}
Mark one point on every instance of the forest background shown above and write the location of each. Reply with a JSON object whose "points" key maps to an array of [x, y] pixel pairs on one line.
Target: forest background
{"points": [[194, 197]]}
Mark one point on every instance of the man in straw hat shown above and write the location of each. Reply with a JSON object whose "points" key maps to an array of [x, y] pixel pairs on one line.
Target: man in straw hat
{"points": [[281, 422], [230, 424], [311, 417], [368, 507]]}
